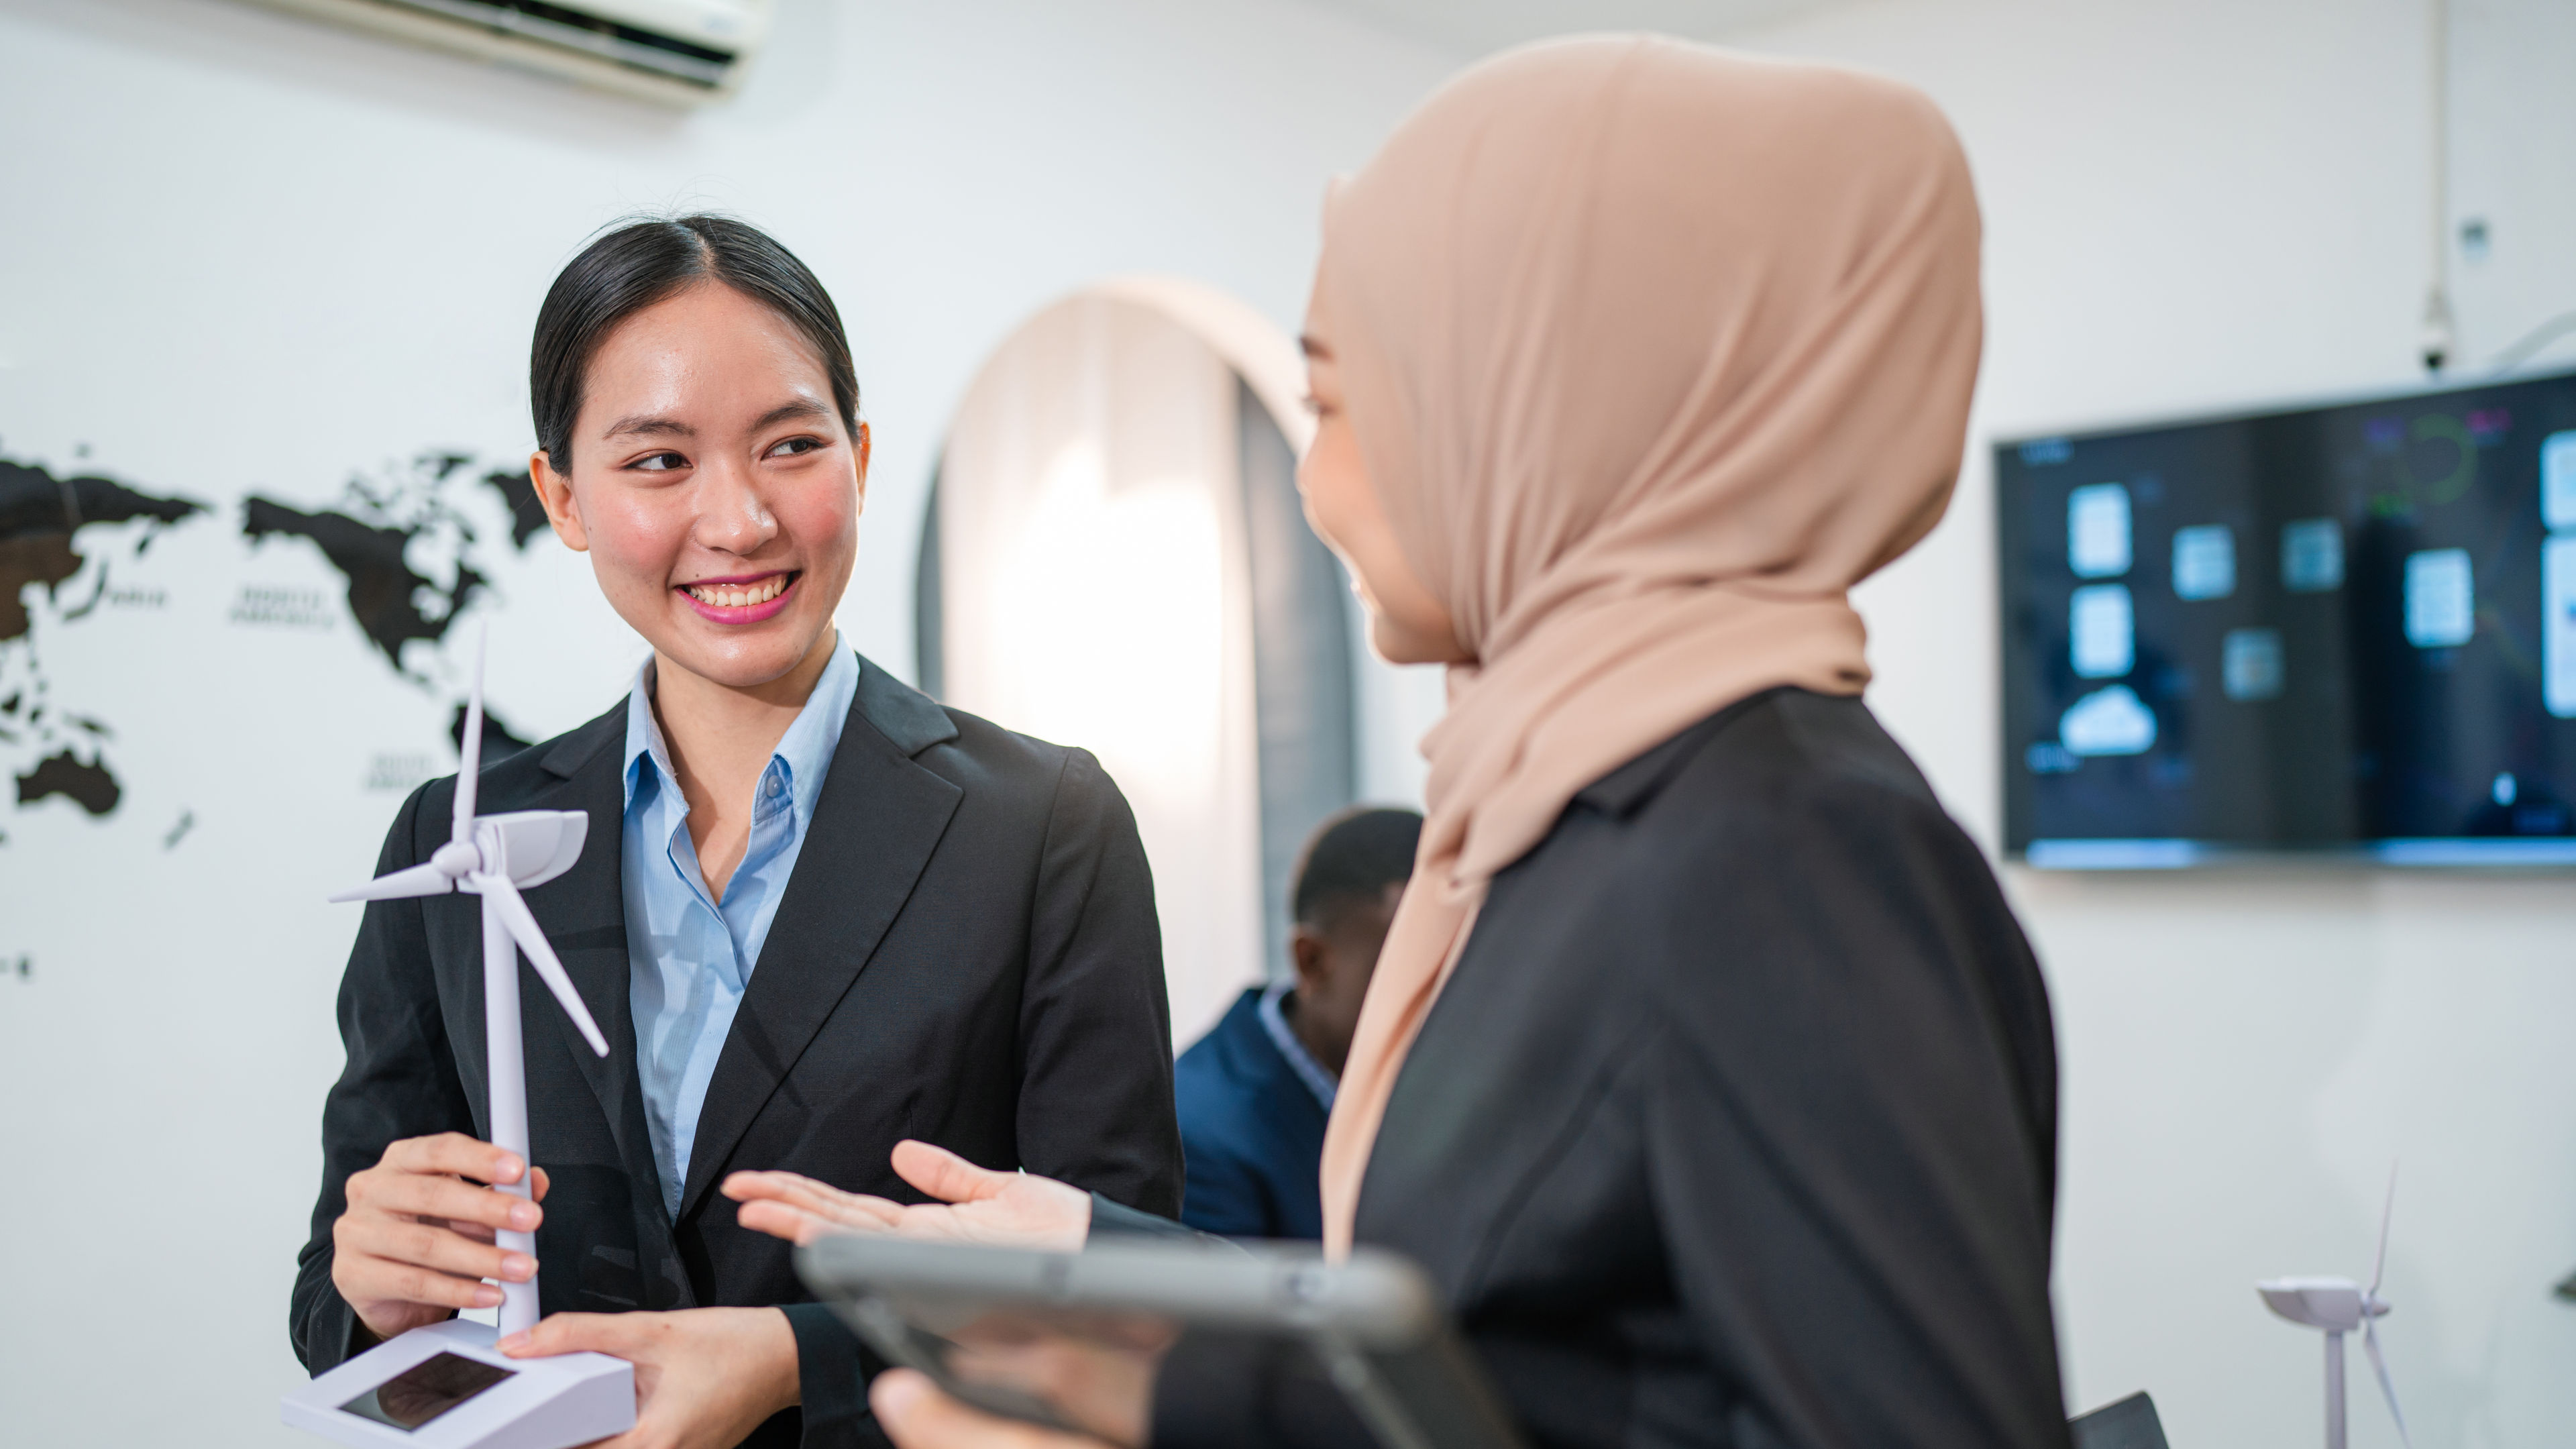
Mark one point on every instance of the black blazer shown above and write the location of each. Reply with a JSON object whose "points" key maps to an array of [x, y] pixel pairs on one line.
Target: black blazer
{"points": [[1735, 1125], [967, 953]]}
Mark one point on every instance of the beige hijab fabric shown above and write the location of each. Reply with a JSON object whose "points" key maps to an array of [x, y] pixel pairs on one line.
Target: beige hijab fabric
{"points": [[1652, 352]]}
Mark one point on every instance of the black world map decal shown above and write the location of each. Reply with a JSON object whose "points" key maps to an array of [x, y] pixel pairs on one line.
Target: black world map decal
{"points": [[53, 527]]}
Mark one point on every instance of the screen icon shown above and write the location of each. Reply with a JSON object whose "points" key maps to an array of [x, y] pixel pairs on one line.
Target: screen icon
{"points": [[2204, 561], [2249, 664], [2102, 631], [2558, 625], [2111, 721], [2441, 602], [2312, 555], [2097, 531], [2558, 480]]}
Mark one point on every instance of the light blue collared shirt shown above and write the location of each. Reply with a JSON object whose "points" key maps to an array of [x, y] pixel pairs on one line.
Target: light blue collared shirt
{"points": [[1274, 1022], [690, 955]]}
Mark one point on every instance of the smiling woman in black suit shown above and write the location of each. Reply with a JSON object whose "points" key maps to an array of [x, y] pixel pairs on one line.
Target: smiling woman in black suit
{"points": [[818, 913]]}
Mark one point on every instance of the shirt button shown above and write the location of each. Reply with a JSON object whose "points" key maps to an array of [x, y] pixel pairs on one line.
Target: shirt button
{"points": [[776, 785]]}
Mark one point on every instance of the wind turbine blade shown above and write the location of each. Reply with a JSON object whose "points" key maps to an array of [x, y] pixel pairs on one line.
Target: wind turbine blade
{"points": [[2388, 1386], [469, 770], [424, 879], [504, 897], [2387, 1209]]}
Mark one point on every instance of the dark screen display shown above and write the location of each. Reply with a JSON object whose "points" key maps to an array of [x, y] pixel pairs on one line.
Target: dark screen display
{"points": [[426, 1390], [2347, 628]]}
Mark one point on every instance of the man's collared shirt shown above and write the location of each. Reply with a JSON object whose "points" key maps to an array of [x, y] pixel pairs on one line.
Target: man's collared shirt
{"points": [[1274, 1022], [691, 955]]}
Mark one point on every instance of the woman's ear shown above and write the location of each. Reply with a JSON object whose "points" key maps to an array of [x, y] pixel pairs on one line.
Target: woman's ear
{"points": [[554, 490], [865, 445]]}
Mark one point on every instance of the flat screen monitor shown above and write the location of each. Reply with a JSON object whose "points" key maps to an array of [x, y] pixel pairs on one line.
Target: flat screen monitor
{"points": [[2345, 631]]}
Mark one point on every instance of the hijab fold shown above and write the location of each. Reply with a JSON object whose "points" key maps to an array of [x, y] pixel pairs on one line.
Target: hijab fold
{"points": [[1652, 351]]}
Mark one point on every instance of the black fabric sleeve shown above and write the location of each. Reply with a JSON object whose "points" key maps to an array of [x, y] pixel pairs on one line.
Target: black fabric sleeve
{"points": [[1219, 1390], [1115, 1220], [400, 1081], [1095, 1106], [1095, 1103], [833, 1371], [1850, 1127], [1095, 1092]]}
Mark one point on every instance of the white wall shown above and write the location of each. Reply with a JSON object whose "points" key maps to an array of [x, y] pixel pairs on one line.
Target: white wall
{"points": [[2204, 203], [241, 252]]}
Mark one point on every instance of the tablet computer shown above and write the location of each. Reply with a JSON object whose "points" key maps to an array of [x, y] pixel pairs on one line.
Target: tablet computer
{"points": [[1072, 1340]]}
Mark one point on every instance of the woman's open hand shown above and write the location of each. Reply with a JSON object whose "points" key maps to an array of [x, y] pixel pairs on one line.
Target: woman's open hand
{"points": [[976, 1205], [416, 1240]]}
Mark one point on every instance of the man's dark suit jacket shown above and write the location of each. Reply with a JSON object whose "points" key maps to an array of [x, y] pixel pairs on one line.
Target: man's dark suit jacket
{"points": [[1252, 1130], [967, 953], [1735, 1126]]}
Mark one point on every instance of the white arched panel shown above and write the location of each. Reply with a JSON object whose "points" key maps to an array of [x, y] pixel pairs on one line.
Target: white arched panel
{"points": [[1094, 591]]}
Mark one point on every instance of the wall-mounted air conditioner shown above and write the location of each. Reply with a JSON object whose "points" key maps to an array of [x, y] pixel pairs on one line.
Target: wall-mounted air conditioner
{"points": [[680, 52]]}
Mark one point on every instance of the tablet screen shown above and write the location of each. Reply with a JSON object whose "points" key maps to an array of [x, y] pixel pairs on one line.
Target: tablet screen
{"points": [[1077, 1341], [1088, 1371]]}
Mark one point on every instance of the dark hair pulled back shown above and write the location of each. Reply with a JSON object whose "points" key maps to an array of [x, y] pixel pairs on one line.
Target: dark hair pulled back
{"points": [[646, 261]]}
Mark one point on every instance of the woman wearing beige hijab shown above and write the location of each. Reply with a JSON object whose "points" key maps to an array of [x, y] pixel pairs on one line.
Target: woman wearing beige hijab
{"points": [[1705, 1068]]}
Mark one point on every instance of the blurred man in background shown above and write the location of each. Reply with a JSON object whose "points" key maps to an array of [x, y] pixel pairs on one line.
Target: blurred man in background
{"points": [[1254, 1092]]}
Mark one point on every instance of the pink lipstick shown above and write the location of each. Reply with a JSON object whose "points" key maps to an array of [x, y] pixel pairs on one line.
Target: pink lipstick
{"points": [[746, 599]]}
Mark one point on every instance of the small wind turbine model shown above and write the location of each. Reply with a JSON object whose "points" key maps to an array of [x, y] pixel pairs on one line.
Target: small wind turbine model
{"points": [[2339, 1306], [445, 1386]]}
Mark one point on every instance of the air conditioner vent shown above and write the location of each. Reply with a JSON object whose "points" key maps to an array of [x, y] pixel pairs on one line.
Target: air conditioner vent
{"points": [[561, 25], [681, 51]]}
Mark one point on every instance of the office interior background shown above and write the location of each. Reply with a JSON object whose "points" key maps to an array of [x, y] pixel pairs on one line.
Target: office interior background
{"points": [[286, 273]]}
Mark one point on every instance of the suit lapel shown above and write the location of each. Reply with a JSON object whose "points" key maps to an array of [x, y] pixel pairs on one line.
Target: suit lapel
{"points": [[875, 824], [583, 913]]}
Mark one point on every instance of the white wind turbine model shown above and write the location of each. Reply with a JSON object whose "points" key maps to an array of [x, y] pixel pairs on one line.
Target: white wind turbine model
{"points": [[2339, 1306], [444, 1386]]}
